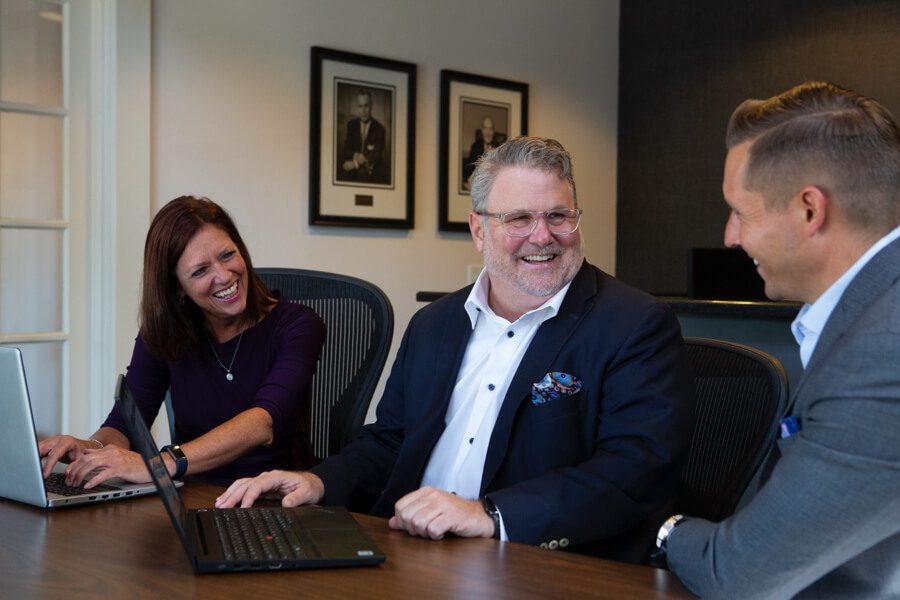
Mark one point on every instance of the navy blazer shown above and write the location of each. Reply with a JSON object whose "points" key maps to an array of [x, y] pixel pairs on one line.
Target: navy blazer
{"points": [[592, 472]]}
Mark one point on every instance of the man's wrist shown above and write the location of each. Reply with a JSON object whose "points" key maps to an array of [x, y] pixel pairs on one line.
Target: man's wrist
{"points": [[491, 510], [659, 555], [316, 485], [662, 537]]}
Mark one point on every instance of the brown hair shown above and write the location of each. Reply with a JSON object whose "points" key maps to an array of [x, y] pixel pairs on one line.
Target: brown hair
{"points": [[821, 134], [170, 326]]}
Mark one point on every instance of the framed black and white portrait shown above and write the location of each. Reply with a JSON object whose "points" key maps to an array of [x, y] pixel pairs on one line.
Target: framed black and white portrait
{"points": [[477, 114], [362, 138]]}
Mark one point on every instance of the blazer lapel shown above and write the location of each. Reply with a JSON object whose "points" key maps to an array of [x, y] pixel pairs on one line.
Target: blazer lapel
{"points": [[545, 346], [869, 284]]}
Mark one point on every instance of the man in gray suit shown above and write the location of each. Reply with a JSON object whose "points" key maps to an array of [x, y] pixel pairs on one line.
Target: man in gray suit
{"points": [[812, 178]]}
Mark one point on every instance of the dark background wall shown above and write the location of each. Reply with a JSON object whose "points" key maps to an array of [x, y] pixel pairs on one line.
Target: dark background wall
{"points": [[684, 67]]}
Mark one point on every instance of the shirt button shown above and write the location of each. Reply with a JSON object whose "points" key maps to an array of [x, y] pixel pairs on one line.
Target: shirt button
{"points": [[491, 386], [510, 334], [553, 545], [471, 440], [563, 542]]}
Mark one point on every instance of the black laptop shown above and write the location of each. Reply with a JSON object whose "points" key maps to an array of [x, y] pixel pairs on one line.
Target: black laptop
{"points": [[251, 539]]}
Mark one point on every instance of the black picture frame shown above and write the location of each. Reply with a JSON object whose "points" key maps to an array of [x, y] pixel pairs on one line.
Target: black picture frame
{"points": [[467, 102], [357, 181]]}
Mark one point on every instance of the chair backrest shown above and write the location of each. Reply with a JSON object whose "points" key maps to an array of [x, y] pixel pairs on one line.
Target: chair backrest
{"points": [[741, 396], [359, 324]]}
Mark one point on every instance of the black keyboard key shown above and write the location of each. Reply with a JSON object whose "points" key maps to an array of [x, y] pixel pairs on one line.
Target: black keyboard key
{"points": [[56, 484], [256, 534]]}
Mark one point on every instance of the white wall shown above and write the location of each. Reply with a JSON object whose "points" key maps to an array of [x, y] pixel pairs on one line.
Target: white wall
{"points": [[230, 117]]}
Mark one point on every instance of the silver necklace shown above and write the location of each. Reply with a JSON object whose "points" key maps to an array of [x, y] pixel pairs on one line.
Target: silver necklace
{"points": [[227, 369]]}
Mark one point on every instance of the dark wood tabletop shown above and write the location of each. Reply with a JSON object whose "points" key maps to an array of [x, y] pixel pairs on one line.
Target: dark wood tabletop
{"points": [[128, 549]]}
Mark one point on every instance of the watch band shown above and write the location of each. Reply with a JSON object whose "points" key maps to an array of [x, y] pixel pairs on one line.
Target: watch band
{"points": [[491, 509], [181, 461]]}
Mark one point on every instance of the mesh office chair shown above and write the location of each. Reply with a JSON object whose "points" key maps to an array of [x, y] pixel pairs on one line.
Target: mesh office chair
{"points": [[741, 396], [359, 323]]}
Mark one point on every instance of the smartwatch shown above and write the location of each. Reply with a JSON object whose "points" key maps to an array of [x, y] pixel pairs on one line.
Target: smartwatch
{"points": [[491, 509], [181, 461]]}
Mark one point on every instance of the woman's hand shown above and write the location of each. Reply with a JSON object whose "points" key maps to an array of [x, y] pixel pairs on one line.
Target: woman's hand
{"points": [[62, 448], [95, 466]]}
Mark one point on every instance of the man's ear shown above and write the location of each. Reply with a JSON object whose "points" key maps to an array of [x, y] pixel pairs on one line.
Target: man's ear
{"points": [[816, 206], [476, 226]]}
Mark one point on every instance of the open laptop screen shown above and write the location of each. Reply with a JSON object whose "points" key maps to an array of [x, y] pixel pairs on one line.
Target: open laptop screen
{"points": [[146, 447]]}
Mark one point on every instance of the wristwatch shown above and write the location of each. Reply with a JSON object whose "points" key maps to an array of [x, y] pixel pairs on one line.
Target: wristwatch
{"points": [[491, 509], [663, 536], [659, 558], [181, 461]]}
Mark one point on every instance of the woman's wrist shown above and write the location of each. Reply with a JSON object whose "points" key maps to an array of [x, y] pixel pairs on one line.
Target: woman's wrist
{"points": [[171, 467], [177, 456]]}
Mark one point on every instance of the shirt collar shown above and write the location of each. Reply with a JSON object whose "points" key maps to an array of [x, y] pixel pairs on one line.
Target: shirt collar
{"points": [[477, 302], [812, 317]]}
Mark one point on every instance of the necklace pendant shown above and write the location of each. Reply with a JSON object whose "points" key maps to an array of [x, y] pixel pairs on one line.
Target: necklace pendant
{"points": [[229, 376]]}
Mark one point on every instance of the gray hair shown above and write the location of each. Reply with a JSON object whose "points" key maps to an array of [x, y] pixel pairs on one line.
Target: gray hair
{"points": [[528, 152], [821, 134]]}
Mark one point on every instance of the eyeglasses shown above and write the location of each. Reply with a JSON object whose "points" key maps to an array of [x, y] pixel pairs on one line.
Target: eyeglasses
{"points": [[521, 223]]}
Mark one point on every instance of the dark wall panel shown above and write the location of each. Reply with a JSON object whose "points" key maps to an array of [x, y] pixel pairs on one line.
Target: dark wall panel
{"points": [[684, 67]]}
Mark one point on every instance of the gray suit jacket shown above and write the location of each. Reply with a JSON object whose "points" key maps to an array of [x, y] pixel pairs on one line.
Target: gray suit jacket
{"points": [[826, 524]]}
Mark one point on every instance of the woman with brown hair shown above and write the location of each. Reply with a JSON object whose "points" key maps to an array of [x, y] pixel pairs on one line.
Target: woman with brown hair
{"points": [[238, 360]]}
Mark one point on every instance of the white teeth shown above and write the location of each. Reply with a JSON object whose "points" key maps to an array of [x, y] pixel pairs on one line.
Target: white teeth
{"points": [[537, 257], [755, 262], [228, 292]]}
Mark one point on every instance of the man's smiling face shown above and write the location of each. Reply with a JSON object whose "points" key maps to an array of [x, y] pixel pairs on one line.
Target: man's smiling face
{"points": [[525, 271]]}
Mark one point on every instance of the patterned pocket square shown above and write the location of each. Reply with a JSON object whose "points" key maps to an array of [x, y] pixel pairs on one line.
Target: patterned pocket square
{"points": [[554, 386]]}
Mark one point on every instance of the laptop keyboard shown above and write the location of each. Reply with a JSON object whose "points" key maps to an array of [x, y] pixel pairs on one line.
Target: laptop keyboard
{"points": [[56, 484], [257, 534]]}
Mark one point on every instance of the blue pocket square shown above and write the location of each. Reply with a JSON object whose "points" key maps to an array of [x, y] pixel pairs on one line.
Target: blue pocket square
{"points": [[554, 386]]}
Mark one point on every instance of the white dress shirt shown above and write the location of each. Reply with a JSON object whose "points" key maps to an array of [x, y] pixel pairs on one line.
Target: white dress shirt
{"points": [[493, 354], [811, 320]]}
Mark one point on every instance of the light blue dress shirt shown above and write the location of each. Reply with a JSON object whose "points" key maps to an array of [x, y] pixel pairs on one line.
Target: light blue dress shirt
{"points": [[811, 319]]}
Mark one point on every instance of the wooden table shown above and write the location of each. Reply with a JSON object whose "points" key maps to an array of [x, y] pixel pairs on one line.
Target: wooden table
{"points": [[128, 549]]}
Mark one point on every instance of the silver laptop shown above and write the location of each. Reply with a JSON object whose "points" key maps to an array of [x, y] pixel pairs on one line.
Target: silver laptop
{"points": [[21, 478]]}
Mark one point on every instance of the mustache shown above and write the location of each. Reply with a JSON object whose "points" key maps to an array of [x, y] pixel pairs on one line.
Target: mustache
{"points": [[552, 249]]}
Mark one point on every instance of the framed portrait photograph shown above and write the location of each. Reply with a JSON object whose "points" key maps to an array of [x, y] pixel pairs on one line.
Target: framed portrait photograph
{"points": [[362, 140], [477, 113]]}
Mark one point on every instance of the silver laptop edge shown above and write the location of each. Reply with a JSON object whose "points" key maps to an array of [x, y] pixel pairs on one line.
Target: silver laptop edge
{"points": [[22, 478]]}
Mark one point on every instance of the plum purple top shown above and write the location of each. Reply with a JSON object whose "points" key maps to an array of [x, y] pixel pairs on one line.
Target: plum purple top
{"points": [[273, 369]]}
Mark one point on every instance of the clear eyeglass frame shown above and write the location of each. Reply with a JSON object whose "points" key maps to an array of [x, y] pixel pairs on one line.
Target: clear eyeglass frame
{"points": [[522, 223]]}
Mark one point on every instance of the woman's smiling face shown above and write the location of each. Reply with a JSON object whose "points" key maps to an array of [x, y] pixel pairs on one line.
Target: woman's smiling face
{"points": [[212, 273]]}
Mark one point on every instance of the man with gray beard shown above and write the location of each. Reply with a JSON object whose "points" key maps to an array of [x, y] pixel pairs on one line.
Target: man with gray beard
{"points": [[546, 404]]}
